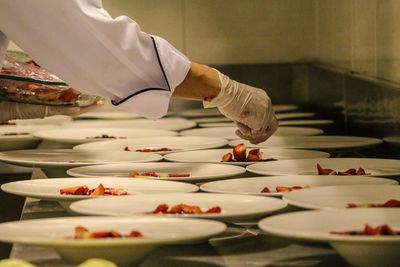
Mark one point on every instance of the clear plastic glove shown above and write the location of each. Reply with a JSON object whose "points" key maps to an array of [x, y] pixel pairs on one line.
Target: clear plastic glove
{"points": [[249, 107], [16, 111]]}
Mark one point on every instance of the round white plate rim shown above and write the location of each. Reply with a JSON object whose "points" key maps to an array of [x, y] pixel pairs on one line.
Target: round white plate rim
{"points": [[301, 204], [206, 186], [219, 142], [11, 187], [170, 156], [269, 201], [219, 227], [235, 170], [253, 168], [363, 142], [151, 157], [326, 237]]}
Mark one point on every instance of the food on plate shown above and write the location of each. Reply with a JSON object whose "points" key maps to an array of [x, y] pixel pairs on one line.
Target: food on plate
{"points": [[352, 171], [104, 136], [283, 189], [184, 209], [83, 233], [239, 155], [135, 174], [13, 134], [381, 230], [164, 149], [154, 150], [100, 190], [393, 203]]}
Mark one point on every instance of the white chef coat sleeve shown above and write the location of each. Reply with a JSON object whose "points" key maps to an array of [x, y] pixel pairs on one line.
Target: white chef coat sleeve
{"points": [[95, 53]]}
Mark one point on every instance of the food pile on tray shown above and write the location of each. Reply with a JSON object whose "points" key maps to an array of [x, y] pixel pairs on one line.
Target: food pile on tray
{"points": [[26, 82]]}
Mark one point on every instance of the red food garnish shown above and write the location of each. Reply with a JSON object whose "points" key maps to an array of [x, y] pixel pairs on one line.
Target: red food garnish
{"points": [[164, 149], [393, 203], [155, 174], [228, 157], [178, 175], [381, 230], [352, 171], [100, 190], [282, 189], [76, 190], [84, 233], [266, 190], [239, 154], [184, 209]]}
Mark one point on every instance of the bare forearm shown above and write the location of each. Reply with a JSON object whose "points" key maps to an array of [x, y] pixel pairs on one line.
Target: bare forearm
{"points": [[201, 83]]}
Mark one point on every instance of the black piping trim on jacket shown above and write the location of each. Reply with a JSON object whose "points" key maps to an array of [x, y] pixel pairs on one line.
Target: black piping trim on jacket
{"points": [[118, 102]]}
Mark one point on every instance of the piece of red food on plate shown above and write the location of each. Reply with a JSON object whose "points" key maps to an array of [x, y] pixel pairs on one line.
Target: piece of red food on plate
{"points": [[99, 191], [239, 152], [228, 157], [266, 190], [76, 190]]}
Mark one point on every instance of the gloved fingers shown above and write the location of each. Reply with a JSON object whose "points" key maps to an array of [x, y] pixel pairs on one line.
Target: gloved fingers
{"points": [[266, 134], [247, 133], [243, 129]]}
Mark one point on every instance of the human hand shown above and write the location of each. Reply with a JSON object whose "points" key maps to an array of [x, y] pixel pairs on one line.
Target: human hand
{"points": [[16, 111], [249, 107]]}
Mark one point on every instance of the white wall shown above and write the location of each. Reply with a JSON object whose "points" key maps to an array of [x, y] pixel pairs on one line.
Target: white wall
{"points": [[228, 31], [361, 35]]}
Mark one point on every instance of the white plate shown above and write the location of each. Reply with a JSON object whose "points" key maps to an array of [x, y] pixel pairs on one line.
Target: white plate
{"points": [[49, 189], [280, 116], [52, 120], [337, 197], [200, 112], [367, 251], [215, 155], [229, 132], [217, 124], [284, 108], [374, 167], [198, 171], [68, 158], [80, 135], [393, 141], [157, 231], [233, 207], [211, 119], [315, 123], [294, 115], [14, 142], [253, 186], [174, 143], [112, 115], [214, 112], [172, 124], [331, 143]]}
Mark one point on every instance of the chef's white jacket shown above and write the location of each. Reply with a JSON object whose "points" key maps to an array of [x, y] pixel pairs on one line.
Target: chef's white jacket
{"points": [[95, 53]]}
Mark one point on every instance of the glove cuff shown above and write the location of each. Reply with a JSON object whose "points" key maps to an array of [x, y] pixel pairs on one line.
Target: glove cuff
{"points": [[221, 97]]}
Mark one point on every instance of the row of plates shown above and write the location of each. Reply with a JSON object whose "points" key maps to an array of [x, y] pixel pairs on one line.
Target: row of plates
{"points": [[374, 251], [288, 161], [323, 193], [81, 135], [157, 230]]}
